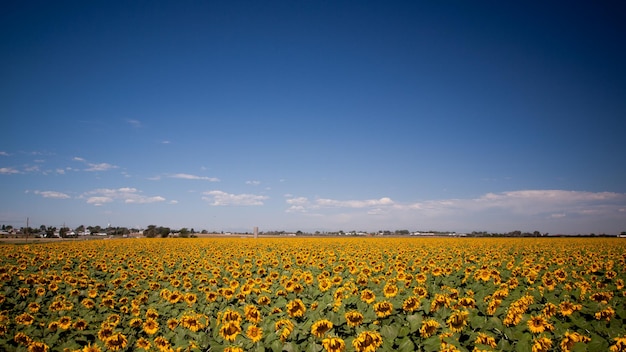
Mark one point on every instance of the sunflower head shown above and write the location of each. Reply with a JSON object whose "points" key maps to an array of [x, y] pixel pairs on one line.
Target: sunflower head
{"points": [[458, 320], [296, 308], [334, 344], [321, 327], [230, 330], [354, 318], [367, 341], [254, 333], [383, 309]]}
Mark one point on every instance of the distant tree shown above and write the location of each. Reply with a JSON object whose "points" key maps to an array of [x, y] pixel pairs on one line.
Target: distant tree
{"points": [[151, 231], [184, 232], [50, 230], [164, 231], [63, 232]]}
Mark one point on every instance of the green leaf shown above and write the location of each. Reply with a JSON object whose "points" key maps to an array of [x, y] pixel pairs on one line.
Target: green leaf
{"points": [[415, 321], [389, 332], [406, 345], [432, 343]]}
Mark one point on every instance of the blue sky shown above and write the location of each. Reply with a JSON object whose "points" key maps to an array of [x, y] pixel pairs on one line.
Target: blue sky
{"points": [[314, 115]]}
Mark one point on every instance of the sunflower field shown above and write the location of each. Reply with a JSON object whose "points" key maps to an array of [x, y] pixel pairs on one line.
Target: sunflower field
{"points": [[314, 294]]}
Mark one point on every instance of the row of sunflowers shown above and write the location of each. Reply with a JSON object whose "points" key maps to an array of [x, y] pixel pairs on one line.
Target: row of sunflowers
{"points": [[314, 294]]}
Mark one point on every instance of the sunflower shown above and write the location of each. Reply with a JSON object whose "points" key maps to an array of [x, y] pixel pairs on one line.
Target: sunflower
{"points": [[254, 333], [620, 345], [428, 328], [91, 348], [231, 316], [537, 324], [458, 320], [353, 318], [334, 344], [53, 325], [383, 309], [420, 292], [88, 303], [570, 339], [65, 322], [233, 349], [22, 339], [421, 278], [542, 344], [438, 302], [368, 296], [33, 307], [135, 323], [263, 300], [105, 332], [549, 310], [493, 305], [367, 341], [321, 327], [190, 299], [230, 330], [252, 313], [151, 326], [161, 343], [605, 314], [390, 290], [151, 313], [296, 308], [113, 319], [467, 302], [192, 322], [211, 296], [116, 342], [410, 304], [568, 308], [484, 339], [602, 297], [175, 297], [107, 302], [80, 324], [24, 319], [143, 343]]}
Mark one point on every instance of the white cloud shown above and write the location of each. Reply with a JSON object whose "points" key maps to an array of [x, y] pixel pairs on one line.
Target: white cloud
{"points": [[222, 198], [165, 142], [253, 182], [52, 194], [529, 204], [60, 171], [95, 167], [2, 153], [298, 201], [194, 177], [8, 171], [556, 211], [98, 201], [126, 194], [100, 167], [296, 209], [134, 123], [324, 202]]}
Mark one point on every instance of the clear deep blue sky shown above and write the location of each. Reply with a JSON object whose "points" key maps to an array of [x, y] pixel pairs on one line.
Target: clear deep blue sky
{"points": [[314, 115]]}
